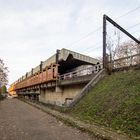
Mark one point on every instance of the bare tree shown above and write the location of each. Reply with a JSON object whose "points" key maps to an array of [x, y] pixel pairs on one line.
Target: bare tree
{"points": [[3, 73], [128, 50], [113, 45], [127, 53]]}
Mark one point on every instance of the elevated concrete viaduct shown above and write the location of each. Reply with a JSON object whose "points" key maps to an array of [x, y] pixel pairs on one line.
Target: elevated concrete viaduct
{"points": [[59, 79]]}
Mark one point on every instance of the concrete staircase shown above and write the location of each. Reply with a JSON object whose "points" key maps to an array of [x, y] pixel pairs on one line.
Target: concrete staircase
{"points": [[87, 88]]}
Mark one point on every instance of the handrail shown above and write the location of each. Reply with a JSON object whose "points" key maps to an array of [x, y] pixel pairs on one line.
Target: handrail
{"points": [[81, 72], [123, 58], [87, 87], [125, 61], [52, 74]]}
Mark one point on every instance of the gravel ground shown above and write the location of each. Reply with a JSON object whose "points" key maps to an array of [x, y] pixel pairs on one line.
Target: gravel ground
{"points": [[20, 121]]}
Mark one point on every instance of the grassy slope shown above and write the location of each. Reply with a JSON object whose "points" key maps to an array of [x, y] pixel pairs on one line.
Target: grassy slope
{"points": [[113, 102]]}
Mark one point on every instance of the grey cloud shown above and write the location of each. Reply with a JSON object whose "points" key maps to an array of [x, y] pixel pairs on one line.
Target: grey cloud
{"points": [[32, 30]]}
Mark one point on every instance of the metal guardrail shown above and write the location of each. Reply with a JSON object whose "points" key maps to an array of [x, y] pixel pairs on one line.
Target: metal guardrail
{"points": [[43, 77], [81, 72]]}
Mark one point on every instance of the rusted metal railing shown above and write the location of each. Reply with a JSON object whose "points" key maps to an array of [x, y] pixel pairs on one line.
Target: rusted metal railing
{"points": [[48, 74]]}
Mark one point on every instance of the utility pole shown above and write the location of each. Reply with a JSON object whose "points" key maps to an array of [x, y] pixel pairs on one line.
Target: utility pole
{"points": [[106, 18], [104, 41]]}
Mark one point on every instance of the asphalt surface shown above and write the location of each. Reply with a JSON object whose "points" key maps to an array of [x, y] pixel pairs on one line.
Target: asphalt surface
{"points": [[20, 121]]}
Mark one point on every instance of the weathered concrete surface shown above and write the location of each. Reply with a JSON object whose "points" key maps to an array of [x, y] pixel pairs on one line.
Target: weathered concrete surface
{"points": [[50, 96], [20, 121], [69, 94]]}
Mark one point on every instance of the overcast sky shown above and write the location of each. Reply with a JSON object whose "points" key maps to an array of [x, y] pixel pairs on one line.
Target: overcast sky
{"points": [[32, 30]]}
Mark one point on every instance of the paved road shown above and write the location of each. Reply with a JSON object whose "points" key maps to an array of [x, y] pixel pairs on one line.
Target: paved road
{"points": [[20, 121]]}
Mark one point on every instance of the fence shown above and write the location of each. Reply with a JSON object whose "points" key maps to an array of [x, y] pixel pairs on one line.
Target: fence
{"points": [[124, 62]]}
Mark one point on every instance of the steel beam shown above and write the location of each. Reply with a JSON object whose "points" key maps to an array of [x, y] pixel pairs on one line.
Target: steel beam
{"points": [[106, 18], [122, 29]]}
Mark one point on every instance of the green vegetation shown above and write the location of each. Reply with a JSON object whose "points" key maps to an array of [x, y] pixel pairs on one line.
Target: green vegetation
{"points": [[114, 102], [3, 89]]}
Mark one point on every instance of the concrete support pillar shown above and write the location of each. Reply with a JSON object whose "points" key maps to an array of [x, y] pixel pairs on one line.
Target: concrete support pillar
{"points": [[42, 94], [58, 89]]}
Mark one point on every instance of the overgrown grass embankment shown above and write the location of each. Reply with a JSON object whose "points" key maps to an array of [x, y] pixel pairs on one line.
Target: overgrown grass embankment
{"points": [[113, 102]]}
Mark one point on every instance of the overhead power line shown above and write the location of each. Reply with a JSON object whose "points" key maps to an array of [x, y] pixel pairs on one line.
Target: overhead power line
{"points": [[133, 26], [99, 28], [85, 36], [127, 13]]}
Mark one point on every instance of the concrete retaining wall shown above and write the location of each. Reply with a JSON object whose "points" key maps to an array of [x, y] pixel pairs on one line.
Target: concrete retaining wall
{"points": [[64, 95]]}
